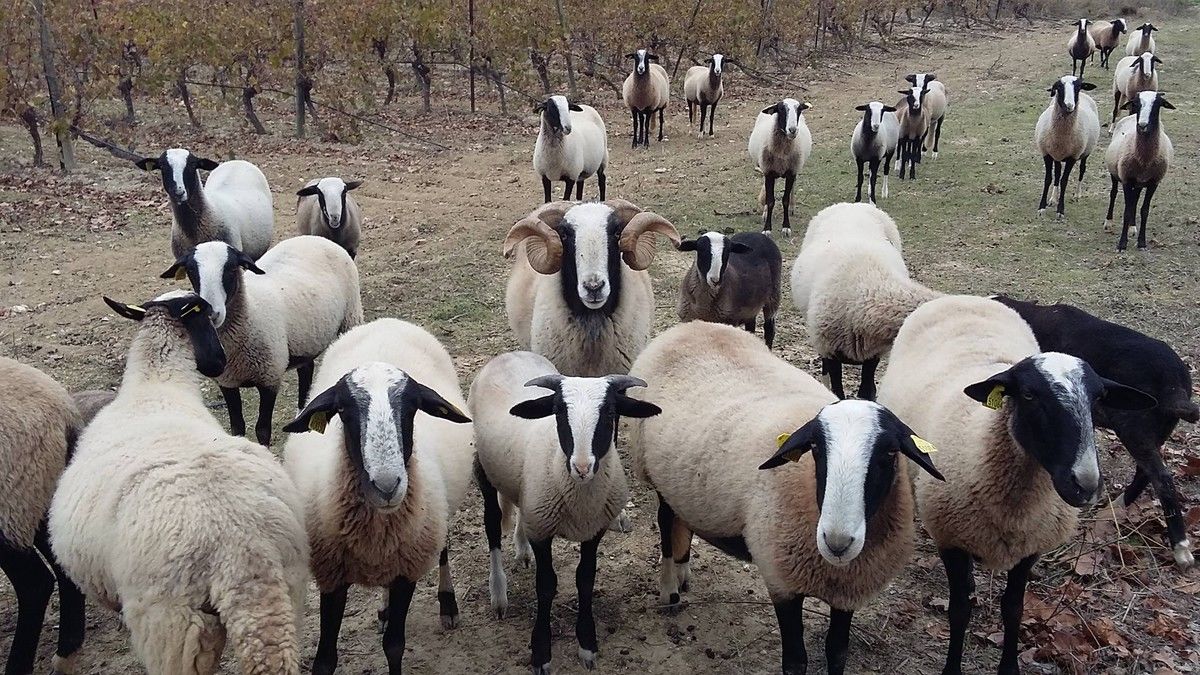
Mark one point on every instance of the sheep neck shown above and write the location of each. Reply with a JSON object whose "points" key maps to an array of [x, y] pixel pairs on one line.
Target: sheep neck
{"points": [[1020, 483], [191, 217]]}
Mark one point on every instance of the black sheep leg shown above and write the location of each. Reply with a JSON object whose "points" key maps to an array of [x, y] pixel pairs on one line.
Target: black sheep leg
{"points": [[32, 584], [1141, 244], [1012, 606], [547, 586], [233, 404], [790, 614], [959, 574], [333, 608], [585, 584], [266, 410], [837, 640]]}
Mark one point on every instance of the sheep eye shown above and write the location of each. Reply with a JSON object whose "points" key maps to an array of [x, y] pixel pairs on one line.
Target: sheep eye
{"points": [[1027, 395]]}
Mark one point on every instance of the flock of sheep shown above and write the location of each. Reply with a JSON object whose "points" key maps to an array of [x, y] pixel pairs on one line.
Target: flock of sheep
{"points": [[142, 502]]}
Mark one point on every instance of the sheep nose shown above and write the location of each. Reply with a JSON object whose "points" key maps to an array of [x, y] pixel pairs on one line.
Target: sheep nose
{"points": [[386, 485], [838, 543], [593, 287], [218, 317], [583, 469]]}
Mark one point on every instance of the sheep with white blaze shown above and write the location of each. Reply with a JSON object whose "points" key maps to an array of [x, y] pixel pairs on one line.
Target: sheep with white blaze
{"points": [[1138, 157], [1067, 132], [296, 300], [836, 525], [190, 533], [1013, 426], [383, 476], [234, 205], [914, 126], [549, 461], [1141, 41], [1107, 35], [779, 147], [1132, 76], [732, 280], [645, 91], [935, 103], [702, 86], [571, 146], [874, 143], [325, 208], [1080, 46]]}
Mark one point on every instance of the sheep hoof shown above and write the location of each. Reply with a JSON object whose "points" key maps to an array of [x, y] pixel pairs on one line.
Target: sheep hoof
{"points": [[767, 232], [523, 554], [671, 605], [1058, 216], [1108, 226], [543, 669], [787, 232], [934, 154], [449, 621], [621, 523], [1183, 555], [587, 657], [65, 665], [1041, 212]]}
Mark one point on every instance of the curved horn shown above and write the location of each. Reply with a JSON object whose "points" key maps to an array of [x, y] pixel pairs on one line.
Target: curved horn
{"points": [[543, 246], [637, 241], [626, 210], [551, 381], [622, 382]]}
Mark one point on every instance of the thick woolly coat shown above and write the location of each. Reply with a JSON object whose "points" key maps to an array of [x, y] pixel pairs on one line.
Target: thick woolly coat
{"points": [[235, 206]]}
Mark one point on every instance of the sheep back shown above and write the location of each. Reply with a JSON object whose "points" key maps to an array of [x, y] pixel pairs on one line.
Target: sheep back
{"points": [[776, 154], [1126, 163], [1063, 136], [577, 155], [936, 101], [239, 203], [697, 86]]}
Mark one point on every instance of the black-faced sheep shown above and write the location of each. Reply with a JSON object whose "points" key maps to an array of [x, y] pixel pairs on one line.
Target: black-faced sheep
{"points": [[1107, 35], [1141, 41], [646, 90], [571, 146], [1080, 46], [702, 87], [732, 280], [325, 208], [873, 143], [1067, 132], [1138, 157], [779, 147]]}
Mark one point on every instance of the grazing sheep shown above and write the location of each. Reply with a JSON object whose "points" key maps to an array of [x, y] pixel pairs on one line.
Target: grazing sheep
{"points": [[646, 90], [557, 468], [826, 526], [571, 145], [187, 531], [1067, 131], [935, 103], [592, 315], [779, 147], [1017, 467], [914, 125], [38, 429], [233, 206], [380, 487], [873, 143], [1141, 41], [333, 214], [852, 286], [302, 294], [1107, 35], [1080, 46], [702, 87], [1133, 75], [1138, 158], [732, 280], [1157, 370]]}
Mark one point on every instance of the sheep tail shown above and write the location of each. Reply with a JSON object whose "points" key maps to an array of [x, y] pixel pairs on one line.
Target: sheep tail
{"points": [[260, 603], [171, 636]]}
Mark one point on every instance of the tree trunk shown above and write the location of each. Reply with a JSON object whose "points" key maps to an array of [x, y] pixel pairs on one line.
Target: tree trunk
{"points": [[471, 48], [66, 147], [302, 83], [566, 47], [421, 71], [688, 31], [125, 86], [186, 97], [248, 94], [498, 79], [29, 119], [540, 65]]}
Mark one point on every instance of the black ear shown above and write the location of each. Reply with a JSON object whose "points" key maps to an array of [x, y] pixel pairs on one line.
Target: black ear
{"points": [[178, 271], [907, 443], [1166, 104], [1121, 397], [1131, 105], [534, 409], [687, 245], [1153, 27], [739, 247], [1087, 86], [308, 191], [906, 92], [632, 407], [431, 403], [862, 108], [247, 263], [352, 185], [888, 108], [205, 164], [930, 77], [796, 445], [1155, 59], [574, 107], [708, 61], [539, 107], [128, 311], [631, 55], [652, 57], [316, 414], [989, 392], [771, 110], [911, 78], [147, 163]]}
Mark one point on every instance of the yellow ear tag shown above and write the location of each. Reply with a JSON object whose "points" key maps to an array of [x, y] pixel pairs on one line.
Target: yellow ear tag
{"points": [[318, 422], [137, 308], [781, 439], [180, 274], [996, 398], [189, 310], [923, 445]]}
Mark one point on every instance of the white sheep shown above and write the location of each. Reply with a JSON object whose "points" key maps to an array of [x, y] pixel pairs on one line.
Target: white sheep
{"points": [[572, 145], [852, 287], [578, 292], [380, 482], [1141, 41], [234, 205], [824, 527], [646, 90], [1013, 427], [1067, 132], [732, 280], [702, 87], [1107, 35], [39, 424], [300, 296], [325, 208], [1138, 158], [934, 103], [189, 532], [779, 148], [873, 143], [557, 472], [1132, 76], [1080, 46]]}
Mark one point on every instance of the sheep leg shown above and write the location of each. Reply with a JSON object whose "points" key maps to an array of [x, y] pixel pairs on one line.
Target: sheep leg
{"points": [[568, 187], [750, 325], [546, 189], [1065, 180], [497, 582], [1112, 201], [1136, 486], [304, 375], [831, 372], [601, 178], [399, 598], [703, 117], [790, 614], [266, 409], [233, 403], [866, 387], [33, 584], [668, 581], [1046, 184], [1132, 192], [770, 203], [1151, 469], [874, 168], [585, 584], [887, 168], [637, 119], [712, 115], [1082, 171], [681, 540], [1012, 606], [1150, 189], [937, 137], [71, 613], [579, 190], [837, 640], [769, 331], [333, 608], [547, 586], [447, 602], [1116, 106], [789, 181], [858, 190], [692, 114], [1057, 182], [661, 124], [959, 574]]}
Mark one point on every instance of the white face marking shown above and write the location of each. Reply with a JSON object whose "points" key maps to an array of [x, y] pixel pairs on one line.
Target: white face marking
{"points": [[177, 158], [211, 257], [1068, 96], [1146, 61], [1124, 26], [1065, 373], [383, 458], [1083, 24], [876, 114], [850, 429], [641, 61], [1146, 101], [591, 252], [583, 397], [332, 189], [716, 245], [564, 112], [793, 116], [917, 88], [718, 61]]}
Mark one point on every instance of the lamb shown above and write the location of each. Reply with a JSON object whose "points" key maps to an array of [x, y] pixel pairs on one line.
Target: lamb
{"points": [[1067, 131], [1141, 41], [233, 206], [914, 125], [702, 87], [303, 293], [852, 286], [779, 147], [874, 142], [1107, 36], [591, 316], [824, 527], [1018, 466], [380, 483], [1080, 46], [38, 430], [188, 532], [567, 483], [571, 145], [1133, 75], [1137, 158], [646, 90], [732, 280], [1157, 370], [334, 214], [935, 102]]}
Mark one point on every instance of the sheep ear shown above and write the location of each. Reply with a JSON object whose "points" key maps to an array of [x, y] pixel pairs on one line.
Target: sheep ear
{"points": [[247, 263], [128, 311], [687, 245], [906, 92], [631, 55], [534, 409], [1166, 104], [147, 163], [1087, 86], [930, 77], [1121, 397], [805, 106], [862, 108], [990, 392], [911, 78], [575, 107], [708, 61], [793, 446], [205, 164], [1155, 59], [909, 444], [889, 108], [178, 271], [431, 403], [771, 111], [739, 247], [539, 107], [315, 416], [353, 184], [632, 407], [652, 57], [308, 191], [1129, 105]]}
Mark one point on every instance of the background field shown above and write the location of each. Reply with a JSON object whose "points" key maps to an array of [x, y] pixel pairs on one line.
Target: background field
{"points": [[1110, 602]]}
